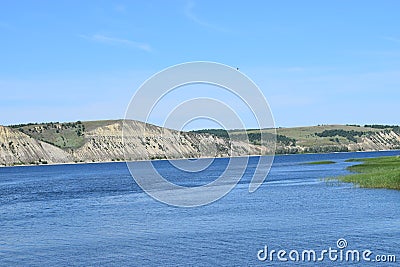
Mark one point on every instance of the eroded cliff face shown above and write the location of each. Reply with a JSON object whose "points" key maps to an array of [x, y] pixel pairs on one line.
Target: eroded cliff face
{"points": [[105, 143], [19, 148], [100, 141], [143, 141], [384, 140]]}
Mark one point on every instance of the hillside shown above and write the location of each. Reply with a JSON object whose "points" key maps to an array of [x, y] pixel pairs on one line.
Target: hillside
{"points": [[18, 148], [324, 138], [331, 138], [99, 141]]}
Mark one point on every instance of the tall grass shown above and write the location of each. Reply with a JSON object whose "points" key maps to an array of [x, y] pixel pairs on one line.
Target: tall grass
{"points": [[382, 172]]}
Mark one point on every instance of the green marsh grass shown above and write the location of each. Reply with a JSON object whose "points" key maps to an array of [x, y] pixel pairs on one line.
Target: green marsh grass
{"points": [[382, 172]]}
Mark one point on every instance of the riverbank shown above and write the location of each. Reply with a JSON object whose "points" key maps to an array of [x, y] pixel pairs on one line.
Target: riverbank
{"points": [[320, 162], [101, 141], [382, 172]]}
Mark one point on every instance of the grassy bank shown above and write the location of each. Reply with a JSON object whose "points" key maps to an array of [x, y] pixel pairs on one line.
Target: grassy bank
{"points": [[382, 172], [320, 162]]}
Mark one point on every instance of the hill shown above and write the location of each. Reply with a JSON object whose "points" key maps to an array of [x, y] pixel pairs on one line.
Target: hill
{"points": [[99, 141], [323, 138], [18, 148]]}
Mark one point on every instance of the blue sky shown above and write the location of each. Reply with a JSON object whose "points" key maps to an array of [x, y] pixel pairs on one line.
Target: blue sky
{"points": [[317, 62]]}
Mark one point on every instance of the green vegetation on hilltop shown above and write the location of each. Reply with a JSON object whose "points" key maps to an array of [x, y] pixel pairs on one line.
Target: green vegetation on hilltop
{"points": [[349, 135], [253, 135], [380, 126], [255, 138], [309, 136], [217, 132], [394, 128], [313, 139], [63, 135], [382, 172], [316, 139]]}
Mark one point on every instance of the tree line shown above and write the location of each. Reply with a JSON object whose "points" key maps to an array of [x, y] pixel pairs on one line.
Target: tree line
{"points": [[349, 135]]}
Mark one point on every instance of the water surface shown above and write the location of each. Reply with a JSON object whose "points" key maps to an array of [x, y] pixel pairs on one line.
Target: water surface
{"points": [[95, 214]]}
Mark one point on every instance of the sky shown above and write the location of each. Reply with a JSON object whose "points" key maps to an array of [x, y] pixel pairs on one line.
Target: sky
{"points": [[316, 62]]}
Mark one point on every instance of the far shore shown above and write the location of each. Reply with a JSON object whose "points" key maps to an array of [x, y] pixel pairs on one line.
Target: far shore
{"points": [[161, 159]]}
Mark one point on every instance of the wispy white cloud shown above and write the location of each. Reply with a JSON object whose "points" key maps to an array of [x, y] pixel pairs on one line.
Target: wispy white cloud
{"points": [[120, 8], [379, 53], [112, 40], [392, 39], [189, 13], [5, 26]]}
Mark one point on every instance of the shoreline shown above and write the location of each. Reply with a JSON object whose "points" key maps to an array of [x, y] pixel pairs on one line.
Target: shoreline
{"points": [[374, 173], [124, 161]]}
